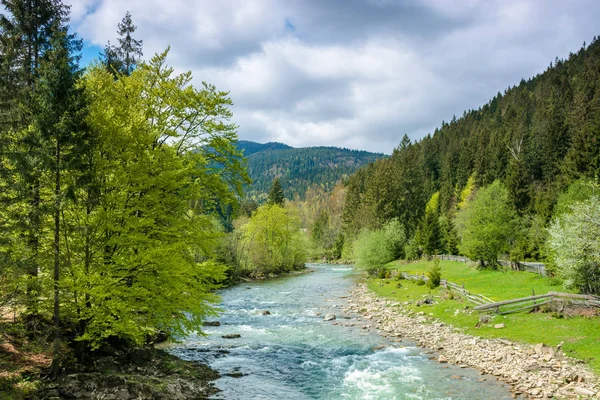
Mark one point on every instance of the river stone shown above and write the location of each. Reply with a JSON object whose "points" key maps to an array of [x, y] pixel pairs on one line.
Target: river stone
{"points": [[211, 323], [442, 359], [329, 317], [584, 392], [266, 312], [232, 336], [499, 326]]}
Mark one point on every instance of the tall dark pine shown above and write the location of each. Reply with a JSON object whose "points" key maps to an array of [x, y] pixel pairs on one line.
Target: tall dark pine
{"points": [[130, 50], [59, 112], [276, 194], [26, 29]]}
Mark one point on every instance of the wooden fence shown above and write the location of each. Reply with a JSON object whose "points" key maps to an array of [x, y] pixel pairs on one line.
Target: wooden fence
{"points": [[515, 305], [531, 302], [536, 268], [475, 298]]}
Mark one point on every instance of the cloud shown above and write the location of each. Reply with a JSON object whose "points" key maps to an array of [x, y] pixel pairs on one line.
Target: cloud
{"points": [[314, 72]]}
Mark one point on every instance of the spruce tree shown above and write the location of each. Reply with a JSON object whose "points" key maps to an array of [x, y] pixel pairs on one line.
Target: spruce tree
{"points": [[26, 31], [276, 194], [111, 59], [130, 49]]}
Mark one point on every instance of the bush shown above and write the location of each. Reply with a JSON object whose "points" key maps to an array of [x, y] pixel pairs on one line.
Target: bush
{"points": [[411, 249], [435, 275], [371, 251], [574, 240]]}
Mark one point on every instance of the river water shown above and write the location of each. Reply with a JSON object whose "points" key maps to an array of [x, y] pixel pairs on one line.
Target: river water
{"points": [[293, 354]]}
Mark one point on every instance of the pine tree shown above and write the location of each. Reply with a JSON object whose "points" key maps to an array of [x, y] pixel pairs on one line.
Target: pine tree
{"points": [[27, 29], [58, 115], [130, 49], [110, 58], [276, 194]]}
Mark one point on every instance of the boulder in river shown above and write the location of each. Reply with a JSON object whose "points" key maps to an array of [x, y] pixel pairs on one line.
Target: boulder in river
{"points": [[232, 336], [211, 323], [329, 317], [266, 312]]}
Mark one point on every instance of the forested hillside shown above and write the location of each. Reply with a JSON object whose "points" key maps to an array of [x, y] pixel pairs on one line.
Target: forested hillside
{"points": [[299, 168], [250, 148], [536, 139]]}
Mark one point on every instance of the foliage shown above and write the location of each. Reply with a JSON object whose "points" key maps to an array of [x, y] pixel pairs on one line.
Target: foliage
{"points": [[488, 225], [123, 59], [434, 274], [449, 235], [412, 250], [276, 196], [395, 237], [574, 241], [299, 169], [578, 191], [372, 251], [269, 242], [429, 233]]}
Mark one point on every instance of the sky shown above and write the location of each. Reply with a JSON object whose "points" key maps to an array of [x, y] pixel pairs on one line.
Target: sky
{"points": [[349, 73]]}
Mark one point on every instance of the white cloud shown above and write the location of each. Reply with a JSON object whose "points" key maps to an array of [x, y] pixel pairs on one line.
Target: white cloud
{"points": [[314, 73]]}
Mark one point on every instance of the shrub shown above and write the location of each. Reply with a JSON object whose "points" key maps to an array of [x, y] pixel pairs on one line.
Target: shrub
{"points": [[435, 275]]}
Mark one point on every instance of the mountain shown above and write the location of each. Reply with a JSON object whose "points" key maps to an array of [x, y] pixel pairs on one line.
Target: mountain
{"points": [[250, 148], [299, 168]]}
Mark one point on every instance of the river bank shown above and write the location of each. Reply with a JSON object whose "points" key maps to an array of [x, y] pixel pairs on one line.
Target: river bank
{"points": [[136, 373], [536, 371]]}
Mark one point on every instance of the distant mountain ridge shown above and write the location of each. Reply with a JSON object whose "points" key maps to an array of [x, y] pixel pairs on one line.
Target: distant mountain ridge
{"points": [[299, 168]]}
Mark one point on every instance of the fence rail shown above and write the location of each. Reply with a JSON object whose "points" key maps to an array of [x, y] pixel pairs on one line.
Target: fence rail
{"points": [[536, 268], [472, 297], [483, 303], [531, 302]]}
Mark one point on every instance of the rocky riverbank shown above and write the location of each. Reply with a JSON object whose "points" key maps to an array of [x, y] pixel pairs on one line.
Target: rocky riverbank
{"points": [[138, 374], [533, 371]]}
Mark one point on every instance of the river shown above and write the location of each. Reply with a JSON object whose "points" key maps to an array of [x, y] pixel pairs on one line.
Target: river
{"points": [[293, 354]]}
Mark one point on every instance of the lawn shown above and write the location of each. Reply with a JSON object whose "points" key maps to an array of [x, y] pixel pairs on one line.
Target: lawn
{"points": [[579, 334], [497, 285]]}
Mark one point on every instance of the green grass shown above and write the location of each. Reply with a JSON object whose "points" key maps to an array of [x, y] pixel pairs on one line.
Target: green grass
{"points": [[579, 334], [497, 285]]}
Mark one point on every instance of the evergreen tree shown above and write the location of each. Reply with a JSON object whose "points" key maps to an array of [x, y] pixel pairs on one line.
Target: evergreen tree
{"points": [[58, 115], [27, 30], [111, 59], [276, 194], [130, 49]]}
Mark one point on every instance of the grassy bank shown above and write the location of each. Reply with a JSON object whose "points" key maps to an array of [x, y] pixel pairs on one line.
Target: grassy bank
{"points": [[579, 334]]}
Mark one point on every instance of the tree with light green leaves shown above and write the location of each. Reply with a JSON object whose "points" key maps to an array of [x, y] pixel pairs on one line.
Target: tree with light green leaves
{"points": [[272, 242], [487, 225], [574, 242], [142, 238]]}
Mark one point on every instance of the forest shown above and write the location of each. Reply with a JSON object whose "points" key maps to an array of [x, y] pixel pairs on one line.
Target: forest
{"points": [[516, 179], [299, 168]]}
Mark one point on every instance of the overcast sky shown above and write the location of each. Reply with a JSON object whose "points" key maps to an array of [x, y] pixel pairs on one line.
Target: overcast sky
{"points": [[348, 73]]}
